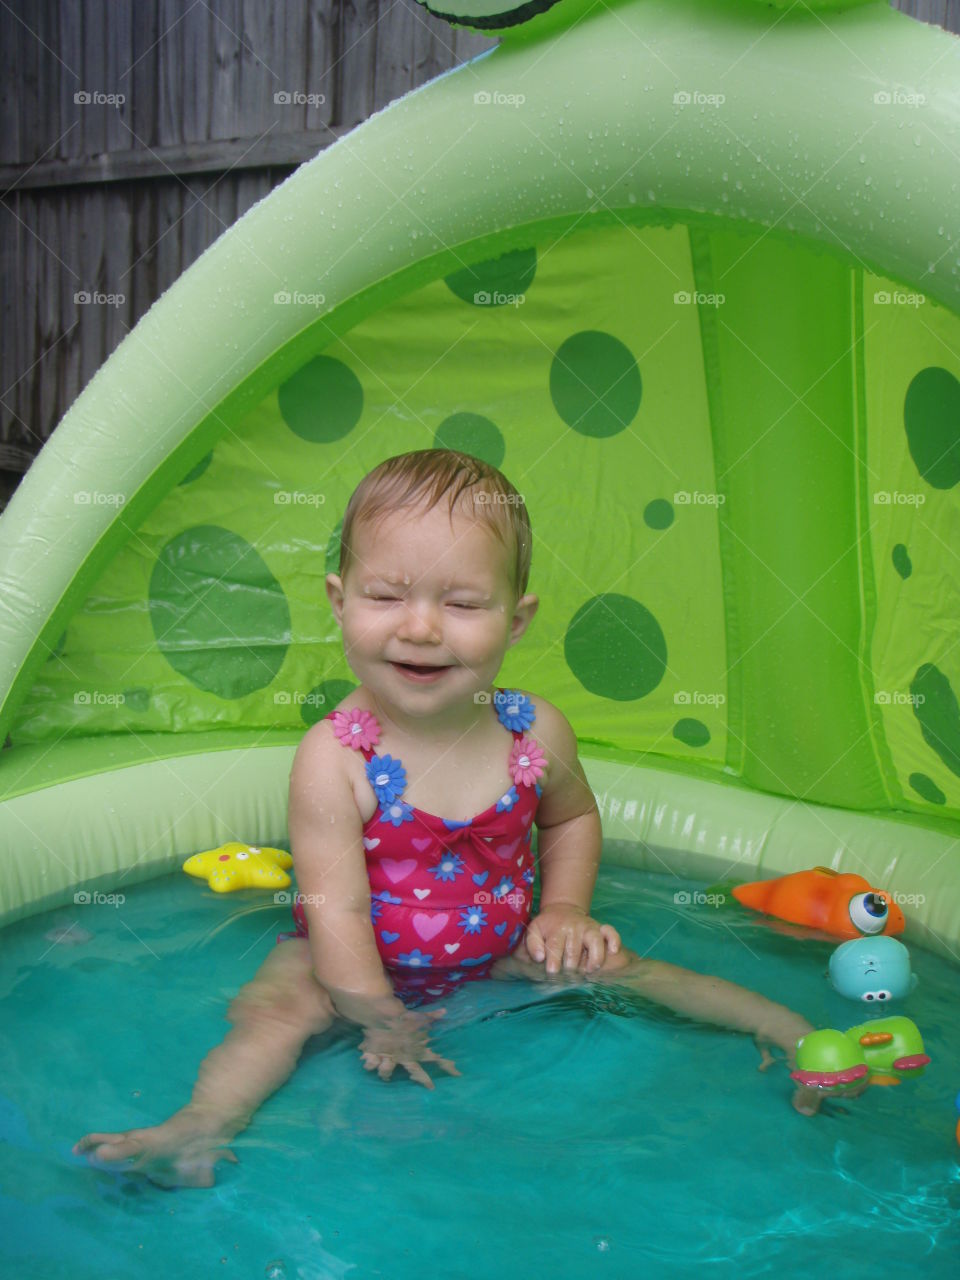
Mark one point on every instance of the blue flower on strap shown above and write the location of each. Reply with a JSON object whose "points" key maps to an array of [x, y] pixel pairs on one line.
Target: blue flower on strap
{"points": [[514, 709], [508, 800], [387, 777], [397, 813]]}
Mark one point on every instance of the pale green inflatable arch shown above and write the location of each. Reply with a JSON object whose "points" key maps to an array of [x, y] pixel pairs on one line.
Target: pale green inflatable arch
{"points": [[688, 271]]}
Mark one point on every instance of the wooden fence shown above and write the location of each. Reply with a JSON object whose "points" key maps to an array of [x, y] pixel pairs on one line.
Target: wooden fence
{"points": [[134, 132]]}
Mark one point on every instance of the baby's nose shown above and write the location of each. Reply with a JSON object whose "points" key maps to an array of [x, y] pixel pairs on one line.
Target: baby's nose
{"points": [[420, 620]]}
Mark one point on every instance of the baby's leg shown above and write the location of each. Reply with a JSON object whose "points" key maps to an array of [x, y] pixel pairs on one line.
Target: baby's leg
{"points": [[272, 1016], [700, 996]]}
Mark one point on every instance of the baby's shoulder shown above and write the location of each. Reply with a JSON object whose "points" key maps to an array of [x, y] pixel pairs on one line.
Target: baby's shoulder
{"points": [[547, 719]]}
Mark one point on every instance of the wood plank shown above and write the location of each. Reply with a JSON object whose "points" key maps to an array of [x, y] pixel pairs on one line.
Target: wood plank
{"points": [[67, 79], [173, 29], [357, 57], [195, 45], [94, 78], [117, 318], [320, 25], [49, 321], [69, 376], [261, 75], [214, 156], [11, 87], [225, 82], [141, 76], [118, 31]]}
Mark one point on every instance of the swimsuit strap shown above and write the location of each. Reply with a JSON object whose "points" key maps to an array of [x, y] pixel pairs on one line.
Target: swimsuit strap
{"points": [[512, 705]]}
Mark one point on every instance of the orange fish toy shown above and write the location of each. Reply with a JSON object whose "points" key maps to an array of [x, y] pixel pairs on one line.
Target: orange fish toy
{"points": [[844, 906]]}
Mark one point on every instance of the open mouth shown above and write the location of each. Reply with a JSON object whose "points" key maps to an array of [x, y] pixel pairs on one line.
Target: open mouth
{"points": [[420, 672]]}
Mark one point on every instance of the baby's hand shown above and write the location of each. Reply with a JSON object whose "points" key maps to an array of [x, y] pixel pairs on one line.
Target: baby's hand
{"points": [[565, 934], [403, 1041], [805, 1099]]}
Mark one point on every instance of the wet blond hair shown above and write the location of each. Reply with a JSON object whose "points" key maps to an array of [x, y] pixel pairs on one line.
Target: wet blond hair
{"points": [[427, 476]]}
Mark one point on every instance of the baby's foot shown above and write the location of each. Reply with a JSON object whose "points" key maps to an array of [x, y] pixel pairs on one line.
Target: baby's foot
{"points": [[177, 1153]]}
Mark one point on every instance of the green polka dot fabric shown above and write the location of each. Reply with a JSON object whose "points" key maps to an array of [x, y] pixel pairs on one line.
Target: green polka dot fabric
{"points": [[739, 462]]}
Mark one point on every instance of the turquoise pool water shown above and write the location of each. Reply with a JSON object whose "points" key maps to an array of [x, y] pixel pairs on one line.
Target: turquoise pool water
{"points": [[589, 1135]]}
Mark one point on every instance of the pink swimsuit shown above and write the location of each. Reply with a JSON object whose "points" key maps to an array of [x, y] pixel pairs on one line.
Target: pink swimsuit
{"points": [[447, 898]]}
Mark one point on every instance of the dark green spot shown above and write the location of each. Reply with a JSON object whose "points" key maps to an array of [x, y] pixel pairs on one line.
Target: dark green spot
{"points": [[595, 384], [935, 706], [219, 615], [323, 401], [692, 732], [323, 697], [137, 699], [658, 514], [196, 472], [901, 561], [931, 417], [927, 788], [472, 433], [615, 648], [497, 281]]}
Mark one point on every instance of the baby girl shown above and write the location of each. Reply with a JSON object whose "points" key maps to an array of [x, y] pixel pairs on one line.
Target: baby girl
{"points": [[398, 906]]}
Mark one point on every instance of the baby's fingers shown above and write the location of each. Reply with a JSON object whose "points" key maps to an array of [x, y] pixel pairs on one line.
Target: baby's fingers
{"points": [[117, 1146], [417, 1073], [445, 1063], [611, 936]]}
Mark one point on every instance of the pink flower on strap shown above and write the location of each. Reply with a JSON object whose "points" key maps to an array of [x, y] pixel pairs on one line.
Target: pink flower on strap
{"points": [[356, 729], [527, 762]]}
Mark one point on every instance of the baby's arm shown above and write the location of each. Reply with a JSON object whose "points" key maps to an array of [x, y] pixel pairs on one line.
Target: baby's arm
{"points": [[326, 840], [569, 843]]}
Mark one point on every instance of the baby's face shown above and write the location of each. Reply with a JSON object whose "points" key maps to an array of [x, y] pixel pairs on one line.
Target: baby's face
{"points": [[420, 591]]}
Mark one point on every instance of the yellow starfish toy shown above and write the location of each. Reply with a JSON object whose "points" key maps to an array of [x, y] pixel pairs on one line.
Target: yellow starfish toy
{"points": [[240, 866]]}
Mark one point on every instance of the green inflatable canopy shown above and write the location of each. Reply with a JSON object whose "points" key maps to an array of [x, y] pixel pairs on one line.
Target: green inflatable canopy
{"points": [[687, 271]]}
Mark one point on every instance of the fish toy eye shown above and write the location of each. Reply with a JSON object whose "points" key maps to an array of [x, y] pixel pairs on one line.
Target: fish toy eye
{"points": [[868, 912]]}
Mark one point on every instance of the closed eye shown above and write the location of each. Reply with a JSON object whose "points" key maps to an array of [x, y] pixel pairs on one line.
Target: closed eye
{"points": [[457, 604]]}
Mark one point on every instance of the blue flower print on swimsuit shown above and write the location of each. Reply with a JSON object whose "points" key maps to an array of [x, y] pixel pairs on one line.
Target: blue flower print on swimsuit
{"points": [[452, 825], [514, 709], [398, 813], [529, 876], [387, 777], [376, 903], [472, 919], [448, 868], [507, 801], [503, 888], [415, 959], [515, 936]]}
